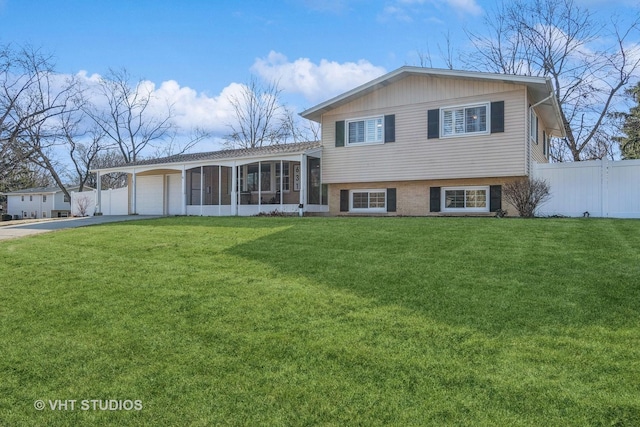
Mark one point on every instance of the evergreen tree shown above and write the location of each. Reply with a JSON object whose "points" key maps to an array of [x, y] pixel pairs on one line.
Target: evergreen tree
{"points": [[630, 142]]}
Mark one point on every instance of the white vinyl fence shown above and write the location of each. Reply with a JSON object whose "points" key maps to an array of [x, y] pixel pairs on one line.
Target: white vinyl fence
{"points": [[114, 202], [601, 188]]}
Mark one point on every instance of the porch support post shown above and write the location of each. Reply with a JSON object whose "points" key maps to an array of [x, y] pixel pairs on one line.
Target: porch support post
{"points": [[201, 188], [303, 184], [184, 190], [259, 186], [234, 189], [219, 189], [281, 183], [99, 193], [133, 193]]}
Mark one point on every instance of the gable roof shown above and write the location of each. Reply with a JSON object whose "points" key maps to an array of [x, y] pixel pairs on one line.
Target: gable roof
{"points": [[232, 154], [540, 89]]}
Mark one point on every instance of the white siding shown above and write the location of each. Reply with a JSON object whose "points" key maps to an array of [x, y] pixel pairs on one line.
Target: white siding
{"points": [[174, 194], [414, 157]]}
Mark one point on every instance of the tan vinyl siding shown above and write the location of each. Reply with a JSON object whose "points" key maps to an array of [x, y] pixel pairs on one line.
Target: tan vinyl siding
{"points": [[414, 157]]}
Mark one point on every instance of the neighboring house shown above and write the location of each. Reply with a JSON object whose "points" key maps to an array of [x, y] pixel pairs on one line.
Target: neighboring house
{"points": [[40, 202], [416, 141], [421, 141]]}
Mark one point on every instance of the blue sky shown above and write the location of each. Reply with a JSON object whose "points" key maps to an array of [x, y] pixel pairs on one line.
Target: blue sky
{"points": [[201, 50]]}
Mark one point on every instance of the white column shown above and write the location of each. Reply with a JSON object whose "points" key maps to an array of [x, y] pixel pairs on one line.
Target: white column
{"points": [[219, 189], [184, 190], [281, 183], [133, 192], [303, 183], [259, 186], [234, 189], [99, 193], [201, 188]]}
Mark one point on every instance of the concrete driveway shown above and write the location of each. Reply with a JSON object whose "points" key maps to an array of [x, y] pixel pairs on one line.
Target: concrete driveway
{"points": [[28, 228]]}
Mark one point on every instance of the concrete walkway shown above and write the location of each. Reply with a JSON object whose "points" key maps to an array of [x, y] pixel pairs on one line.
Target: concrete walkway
{"points": [[31, 227]]}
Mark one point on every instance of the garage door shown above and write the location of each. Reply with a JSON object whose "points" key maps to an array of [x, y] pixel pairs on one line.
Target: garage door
{"points": [[149, 195]]}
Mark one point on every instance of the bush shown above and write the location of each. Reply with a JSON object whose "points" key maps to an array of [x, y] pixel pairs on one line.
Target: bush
{"points": [[526, 194]]}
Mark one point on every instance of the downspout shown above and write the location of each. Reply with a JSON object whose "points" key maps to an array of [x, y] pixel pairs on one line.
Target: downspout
{"points": [[528, 137]]}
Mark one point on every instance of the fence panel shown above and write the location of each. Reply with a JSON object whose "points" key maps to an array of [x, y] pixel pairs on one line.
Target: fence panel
{"points": [[600, 187]]}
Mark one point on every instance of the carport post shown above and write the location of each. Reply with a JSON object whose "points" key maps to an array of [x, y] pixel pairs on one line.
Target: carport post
{"points": [[133, 192], [98, 194]]}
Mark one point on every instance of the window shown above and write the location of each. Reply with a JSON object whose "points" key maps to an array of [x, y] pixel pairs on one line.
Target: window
{"points": [[465, 199], [464, 120], [31, 198], [533, 126], [285, 176], [368, 200], [22, 198], [366, 131], [66, 199], [44, 198]]}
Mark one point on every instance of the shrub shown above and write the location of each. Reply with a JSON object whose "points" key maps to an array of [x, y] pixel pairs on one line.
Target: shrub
{"points": [[526, 194]]}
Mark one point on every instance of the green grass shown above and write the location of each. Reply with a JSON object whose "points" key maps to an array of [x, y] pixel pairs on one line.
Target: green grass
{"points": [[325, 321]]}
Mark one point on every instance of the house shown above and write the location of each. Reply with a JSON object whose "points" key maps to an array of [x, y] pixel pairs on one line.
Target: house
{"points": [[420, 141], [39, 202], [416, 141], [283, 178]]}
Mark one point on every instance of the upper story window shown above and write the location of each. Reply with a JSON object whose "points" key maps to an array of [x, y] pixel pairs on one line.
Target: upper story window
{"points": [[533, 126], [44, 198], [366, 131], [464, 120]]}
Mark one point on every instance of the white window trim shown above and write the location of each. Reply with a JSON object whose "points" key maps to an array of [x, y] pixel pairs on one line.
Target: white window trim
{"points": [[487, 131], [367, 210], [274, 187], [360, 119], [443, 199], [533, 126]]}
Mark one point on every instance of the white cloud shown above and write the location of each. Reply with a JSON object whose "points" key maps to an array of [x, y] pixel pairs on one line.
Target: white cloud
{"points": [[316, 82], [404, 10], [190, 109]]}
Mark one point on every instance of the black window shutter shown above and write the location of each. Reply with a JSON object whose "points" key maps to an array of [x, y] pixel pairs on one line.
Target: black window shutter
{"points": [[544, 143], [537, 135], [434, 199], [390, 128], [495, 198], [344, 200], [497, 117], [391, 199], [340, 133], [433, 124]]}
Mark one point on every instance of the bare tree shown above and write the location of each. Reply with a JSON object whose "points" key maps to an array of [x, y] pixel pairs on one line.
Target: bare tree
{"points": [[32, 98], [128, 120], [260, 118], [554, 38]]}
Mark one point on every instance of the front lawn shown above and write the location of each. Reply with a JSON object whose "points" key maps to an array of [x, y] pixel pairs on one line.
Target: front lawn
{"points": [[323, 321]]}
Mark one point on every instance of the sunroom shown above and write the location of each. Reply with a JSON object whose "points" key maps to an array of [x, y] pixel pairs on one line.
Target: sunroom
{"points": [[283, 178]]}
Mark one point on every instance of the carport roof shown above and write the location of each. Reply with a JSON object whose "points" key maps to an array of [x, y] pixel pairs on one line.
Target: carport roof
{"points": [[269, 150]]}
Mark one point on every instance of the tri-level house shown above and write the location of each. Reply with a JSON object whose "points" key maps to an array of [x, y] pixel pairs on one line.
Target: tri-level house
{"points": [[421, 141], [416, 141]]}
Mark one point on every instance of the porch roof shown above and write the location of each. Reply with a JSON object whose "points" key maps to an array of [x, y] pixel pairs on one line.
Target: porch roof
{"points": [[256, 153]]}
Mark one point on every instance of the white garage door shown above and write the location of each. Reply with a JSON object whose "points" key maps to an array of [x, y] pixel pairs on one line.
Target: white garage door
{"points": [[150, 195]]}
